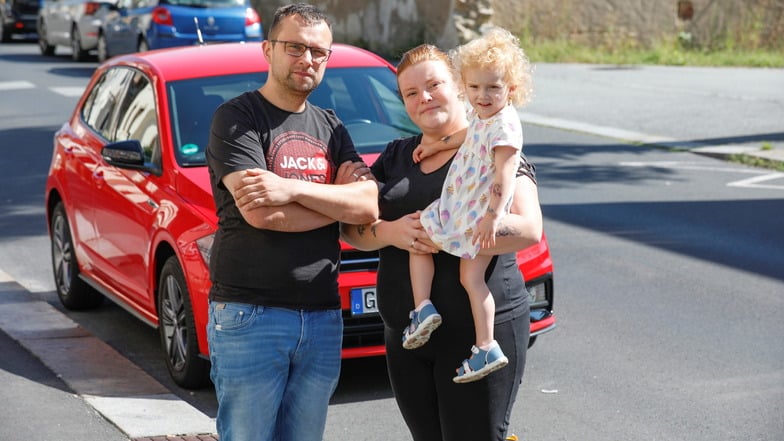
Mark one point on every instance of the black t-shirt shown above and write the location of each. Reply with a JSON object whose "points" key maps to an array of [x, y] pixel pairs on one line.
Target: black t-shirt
{"points": [[264, 267], [405, 190]]}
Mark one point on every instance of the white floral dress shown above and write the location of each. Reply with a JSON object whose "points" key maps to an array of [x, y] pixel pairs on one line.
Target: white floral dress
{"points": [[450, 221]]}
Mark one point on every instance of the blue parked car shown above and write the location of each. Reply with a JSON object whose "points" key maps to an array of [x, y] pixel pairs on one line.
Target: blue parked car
{"points": [[141, 25]]}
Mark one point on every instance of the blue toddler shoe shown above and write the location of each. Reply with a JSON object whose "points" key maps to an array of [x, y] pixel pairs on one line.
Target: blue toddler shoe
{"points": [[423, 323]]}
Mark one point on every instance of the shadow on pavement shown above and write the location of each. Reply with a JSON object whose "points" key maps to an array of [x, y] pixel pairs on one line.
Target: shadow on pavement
{"points": [[362, 379], [728, 232]]}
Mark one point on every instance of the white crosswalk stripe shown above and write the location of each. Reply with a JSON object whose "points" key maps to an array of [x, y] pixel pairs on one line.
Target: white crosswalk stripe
{"points": [[16, 85], [68, 91]]}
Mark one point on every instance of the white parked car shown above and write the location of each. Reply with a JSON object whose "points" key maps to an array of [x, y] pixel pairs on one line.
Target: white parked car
{"points": [[73, 23]]}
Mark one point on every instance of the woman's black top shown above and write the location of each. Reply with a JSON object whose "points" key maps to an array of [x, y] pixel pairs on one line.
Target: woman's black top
{"points": [[406, 189]]}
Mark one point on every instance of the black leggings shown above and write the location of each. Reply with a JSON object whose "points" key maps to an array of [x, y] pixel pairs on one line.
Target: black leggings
{"points": [[433, 406]]}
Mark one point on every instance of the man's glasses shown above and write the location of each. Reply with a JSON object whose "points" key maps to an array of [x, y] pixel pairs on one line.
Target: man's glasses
{"points": [[318, 54]]}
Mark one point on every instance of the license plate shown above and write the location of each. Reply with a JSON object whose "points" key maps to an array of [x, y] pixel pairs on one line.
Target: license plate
{"points": [[363, 301]]}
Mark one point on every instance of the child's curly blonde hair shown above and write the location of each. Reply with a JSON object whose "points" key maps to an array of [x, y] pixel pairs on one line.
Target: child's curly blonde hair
{"points": [[497, 49]]}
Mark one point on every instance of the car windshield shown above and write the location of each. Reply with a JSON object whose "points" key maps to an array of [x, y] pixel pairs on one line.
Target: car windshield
{"points": [[205, 3], [365, 99]]}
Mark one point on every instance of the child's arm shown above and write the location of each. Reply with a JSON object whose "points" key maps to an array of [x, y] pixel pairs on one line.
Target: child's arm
{"points": [[448, 142], [500, 192]]}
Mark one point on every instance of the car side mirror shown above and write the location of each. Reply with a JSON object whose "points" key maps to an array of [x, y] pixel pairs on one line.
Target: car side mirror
{"points": [[128, 155]]}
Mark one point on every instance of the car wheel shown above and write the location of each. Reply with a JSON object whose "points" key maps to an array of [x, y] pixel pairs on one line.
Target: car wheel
{"points": [[5, 36], [74, 293], [177, 329], [78, 54], [43, 44], [103, 50]]}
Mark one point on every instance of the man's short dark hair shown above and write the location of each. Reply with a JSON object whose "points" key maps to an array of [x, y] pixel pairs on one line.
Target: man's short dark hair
{"points": [[311, 14]]}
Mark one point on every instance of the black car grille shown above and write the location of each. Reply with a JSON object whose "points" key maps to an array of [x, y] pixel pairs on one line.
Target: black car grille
{"points": [[367, 330], [362, 331], [355, 260]]}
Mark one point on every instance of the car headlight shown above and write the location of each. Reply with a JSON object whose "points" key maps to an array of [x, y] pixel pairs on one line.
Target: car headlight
{"points": [[205, 247]]}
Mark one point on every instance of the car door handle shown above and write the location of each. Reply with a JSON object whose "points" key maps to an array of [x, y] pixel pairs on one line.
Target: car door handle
{"points": [[98, 178]]}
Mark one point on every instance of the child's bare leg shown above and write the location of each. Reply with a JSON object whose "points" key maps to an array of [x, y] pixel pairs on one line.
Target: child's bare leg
{"points": [[472, 276], [487, 356], [422, 269]]}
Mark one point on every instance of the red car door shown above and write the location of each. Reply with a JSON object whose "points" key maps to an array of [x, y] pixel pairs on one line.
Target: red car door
{"points": [[126, 202]]}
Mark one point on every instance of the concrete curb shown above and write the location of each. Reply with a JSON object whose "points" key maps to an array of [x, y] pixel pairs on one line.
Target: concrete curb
{"points": [[119, 390]]}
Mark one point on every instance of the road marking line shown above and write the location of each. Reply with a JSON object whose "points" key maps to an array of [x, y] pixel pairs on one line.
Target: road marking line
{"points": [[605, 131], [72, 91], [716, 151], [16, 85], [752, 182], [755, 182], [68, 91], [691, 166]]}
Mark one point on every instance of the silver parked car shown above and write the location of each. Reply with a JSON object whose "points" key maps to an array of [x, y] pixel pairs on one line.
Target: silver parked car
{"points": [[73, 23]]}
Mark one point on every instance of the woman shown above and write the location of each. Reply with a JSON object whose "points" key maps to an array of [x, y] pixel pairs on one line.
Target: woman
{"points": [[433, 406]]}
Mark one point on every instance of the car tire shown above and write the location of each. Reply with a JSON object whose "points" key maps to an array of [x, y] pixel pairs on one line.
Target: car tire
{"points": [[78, 52], [177, 329], [74, 293], [43, 44], [5, 35], [103, 49]]}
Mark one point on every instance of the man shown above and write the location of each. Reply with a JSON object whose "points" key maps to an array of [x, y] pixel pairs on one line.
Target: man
{"points": [[275, 327]]}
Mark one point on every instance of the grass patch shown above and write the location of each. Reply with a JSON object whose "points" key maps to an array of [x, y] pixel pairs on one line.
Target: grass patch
{"points": [[757, 162], [664, 53]]}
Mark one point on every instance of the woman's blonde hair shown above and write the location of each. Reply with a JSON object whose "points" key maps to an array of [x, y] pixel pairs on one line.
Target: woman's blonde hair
{"points": [[498, 50]]}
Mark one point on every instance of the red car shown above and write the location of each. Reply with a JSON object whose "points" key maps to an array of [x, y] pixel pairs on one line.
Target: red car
{"points": [[130, 210]]}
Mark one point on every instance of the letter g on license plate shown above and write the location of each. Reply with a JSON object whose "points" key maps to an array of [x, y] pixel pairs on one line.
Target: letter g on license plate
{"points": [[363, 301]]}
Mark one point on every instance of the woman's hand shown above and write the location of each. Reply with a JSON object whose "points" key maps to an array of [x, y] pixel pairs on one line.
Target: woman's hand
{"points": [[412, 236], [405, 233]]}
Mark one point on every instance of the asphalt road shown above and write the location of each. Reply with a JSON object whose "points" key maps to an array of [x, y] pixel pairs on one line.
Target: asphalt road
{"points": [[669, 265]]}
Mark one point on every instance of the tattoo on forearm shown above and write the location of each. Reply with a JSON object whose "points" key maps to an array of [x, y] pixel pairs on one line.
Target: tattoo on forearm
{"points": [[506, 231], [496, 190], [361, 230], [373, 230]]}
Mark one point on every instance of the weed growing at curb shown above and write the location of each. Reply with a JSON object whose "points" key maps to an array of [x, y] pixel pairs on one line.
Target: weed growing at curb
{"points": [[755, 161]]}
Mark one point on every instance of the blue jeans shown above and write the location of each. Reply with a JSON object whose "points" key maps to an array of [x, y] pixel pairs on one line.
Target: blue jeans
{"points": [[274, 370]]}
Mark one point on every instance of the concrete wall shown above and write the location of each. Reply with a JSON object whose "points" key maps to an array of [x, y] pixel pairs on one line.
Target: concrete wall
{"points": [[710, 23], [392, 26]]}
